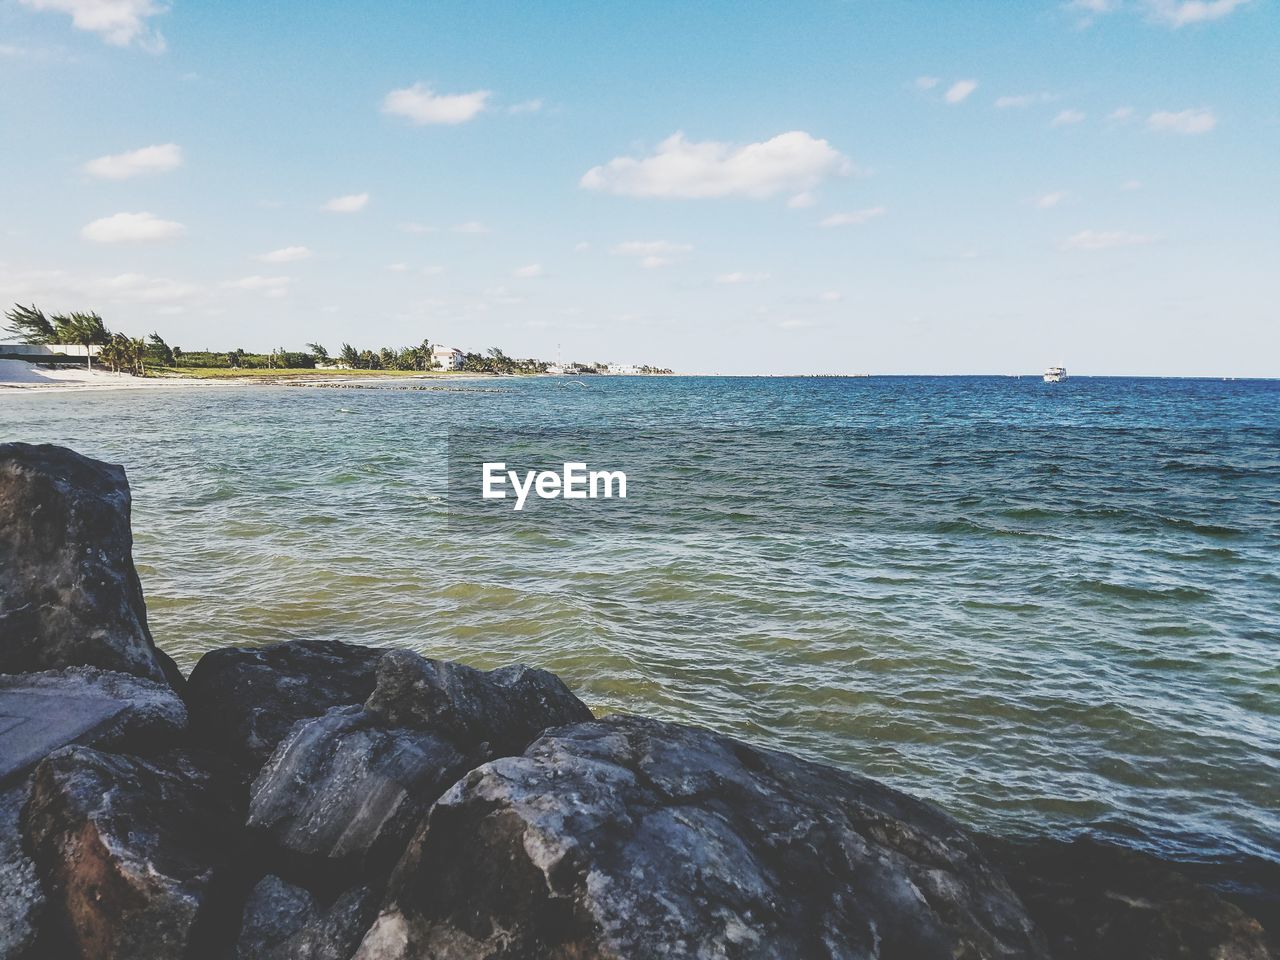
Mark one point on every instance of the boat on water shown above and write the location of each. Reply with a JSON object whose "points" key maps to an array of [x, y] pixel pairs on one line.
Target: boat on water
{"points": [[1055, 375]]}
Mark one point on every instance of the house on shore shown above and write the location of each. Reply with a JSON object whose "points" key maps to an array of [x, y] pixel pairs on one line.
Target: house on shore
{"points": [[447, 358]]}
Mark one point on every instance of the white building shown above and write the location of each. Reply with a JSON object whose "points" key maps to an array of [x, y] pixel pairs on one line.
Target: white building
{"points": [[447, 358], [623, 369], [36, 350]]}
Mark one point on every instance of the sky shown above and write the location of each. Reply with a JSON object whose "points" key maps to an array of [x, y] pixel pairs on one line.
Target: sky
{"points": [[836, 186]]}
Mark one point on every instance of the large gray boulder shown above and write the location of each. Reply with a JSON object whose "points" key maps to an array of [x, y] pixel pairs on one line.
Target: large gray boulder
{"points": [[114, 711], [70, 595], [127, 849], [274, 911], [352, 785], [244, 700], [504, 708], [633, 838], [344, 788]]}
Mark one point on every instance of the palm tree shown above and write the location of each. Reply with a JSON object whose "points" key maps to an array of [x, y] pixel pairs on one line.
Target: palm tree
{"points": [[29, 325], [85, 329]]}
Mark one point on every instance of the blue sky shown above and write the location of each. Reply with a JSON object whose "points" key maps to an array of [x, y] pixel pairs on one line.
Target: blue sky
{"points": [[841, 186]]}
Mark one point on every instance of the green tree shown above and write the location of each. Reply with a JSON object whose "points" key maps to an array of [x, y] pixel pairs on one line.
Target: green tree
{"points": [[85, 329], [29, 325], [158, 353], [349, 355], [318, 352]]}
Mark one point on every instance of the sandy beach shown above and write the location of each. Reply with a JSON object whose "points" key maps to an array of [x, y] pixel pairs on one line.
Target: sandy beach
{"points": [[20, 375]]}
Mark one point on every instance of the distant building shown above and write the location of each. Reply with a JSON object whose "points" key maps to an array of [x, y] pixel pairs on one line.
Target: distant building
{"points": [[447, 358], [49, 349], [623, 369]]}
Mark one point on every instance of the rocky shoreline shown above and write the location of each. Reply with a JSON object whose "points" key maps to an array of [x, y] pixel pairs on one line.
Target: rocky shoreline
{"points": [[317, 799]]}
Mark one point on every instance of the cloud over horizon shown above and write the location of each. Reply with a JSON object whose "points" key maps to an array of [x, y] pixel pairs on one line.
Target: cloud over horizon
{"points": [[421, 106], [159, 158], [131, 227], [1185, 122], [350, 203], [118, 22], [791, 162]]}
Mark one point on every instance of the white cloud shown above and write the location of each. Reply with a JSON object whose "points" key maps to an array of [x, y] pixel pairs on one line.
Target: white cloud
{"points": [[1120, 115], [1105, 240], [802, 200], [789, 162], [1179, 13], [351, 203], [1131, 185], [1022, 100], [926, 83], [959, 91], [526, 106], [286, 255], [417, 228], [1187, 122], [581, 247], [854, 218], [420, 106], [118, 22], [831, 296], [650, 263], [1067, 118], [474, 227], [1049, 200], [160, 158], [398, 267], [138, 288], [738, 277], [643, 248], [266, 284], [528, 271], [125, 227]]}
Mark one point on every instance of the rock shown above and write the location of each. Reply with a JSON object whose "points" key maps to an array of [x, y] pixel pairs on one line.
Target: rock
{"points": [[632, 838], [353, 784], [342, 787], [40, 712], [274, 912], [70, 595], [285, 922], [336, 934], [127, 849], [506, 708], [243, 700], [22, 901], [1096, 901]]}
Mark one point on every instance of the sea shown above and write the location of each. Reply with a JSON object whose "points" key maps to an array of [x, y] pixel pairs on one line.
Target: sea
{"points": [[1050, 608]]}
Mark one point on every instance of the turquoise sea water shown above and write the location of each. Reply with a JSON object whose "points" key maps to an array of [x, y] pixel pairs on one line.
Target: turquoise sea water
{"points": [[1043, 606]]}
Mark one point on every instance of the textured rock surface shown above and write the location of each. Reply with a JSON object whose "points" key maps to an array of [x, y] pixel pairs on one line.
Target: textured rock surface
{"points": [[354, 783], [343, 787], [140, 715], [70, 594], [274, 912], [506, 708], [22, 901], [126, 849], [631, 838], [243, 700], [1095, 901], [285, 922]]}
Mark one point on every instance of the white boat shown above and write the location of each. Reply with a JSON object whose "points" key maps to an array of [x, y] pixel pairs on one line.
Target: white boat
{"points": [[1055, 375]]}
